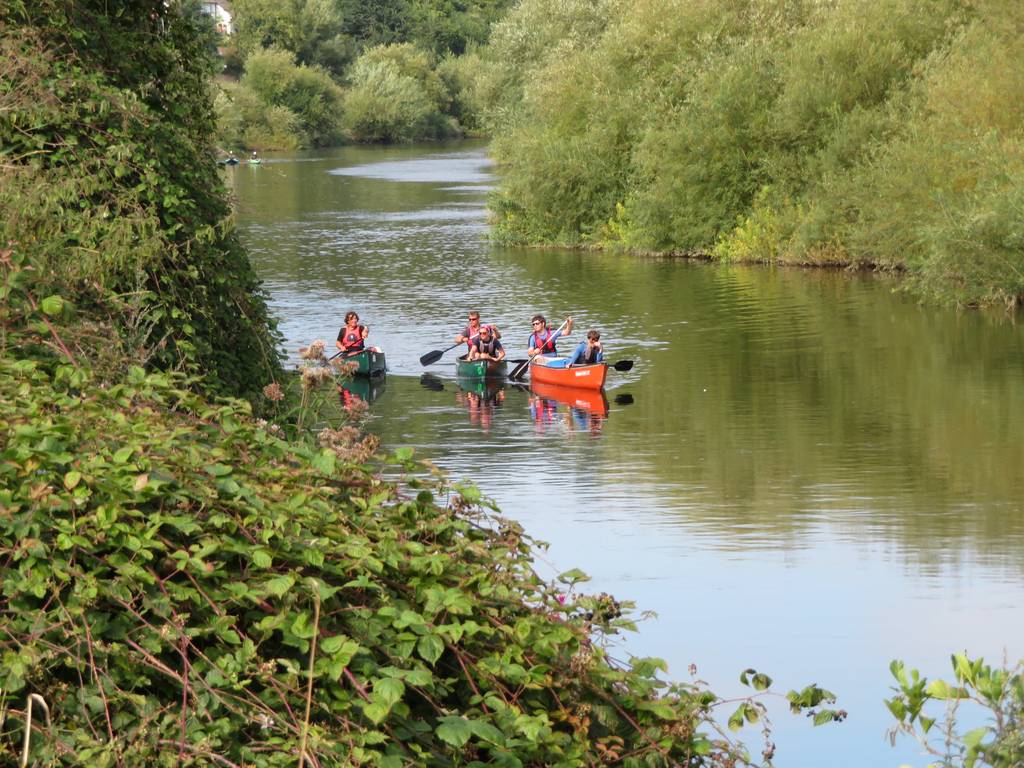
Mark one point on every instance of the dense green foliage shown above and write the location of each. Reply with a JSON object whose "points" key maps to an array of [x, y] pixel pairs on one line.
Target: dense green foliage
{"points": [[384, 54], [279, 103], [109, 187], [996, 691], [332, 33], [182, 586], [887, 134], [396, 95]]}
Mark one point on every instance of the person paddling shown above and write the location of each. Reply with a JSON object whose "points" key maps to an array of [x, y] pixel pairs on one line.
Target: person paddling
{"points": [[472, 330], [352, 336], [542, 340], [485, 346], [587, 352]]}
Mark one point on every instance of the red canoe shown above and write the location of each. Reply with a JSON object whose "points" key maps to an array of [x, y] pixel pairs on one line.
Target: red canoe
{"points": [[590, 400], [578, 377]]}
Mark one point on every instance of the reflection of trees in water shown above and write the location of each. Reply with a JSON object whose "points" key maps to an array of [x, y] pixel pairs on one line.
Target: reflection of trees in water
{"points": [[780, 401], [774, 402]]}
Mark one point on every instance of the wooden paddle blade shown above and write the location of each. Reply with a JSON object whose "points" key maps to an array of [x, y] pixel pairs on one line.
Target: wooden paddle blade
{"points": [[622, 365], [431, 357]]}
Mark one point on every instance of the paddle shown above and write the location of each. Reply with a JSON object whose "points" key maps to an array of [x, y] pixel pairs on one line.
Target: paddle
{"points": [[435, 355], [343, 352], [519, 368]]}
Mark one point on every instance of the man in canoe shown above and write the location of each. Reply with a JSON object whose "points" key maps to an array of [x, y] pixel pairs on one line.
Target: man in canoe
{"points": [[542, 340], [352, 336], [485, 346], [588, 351], [471, 331]]}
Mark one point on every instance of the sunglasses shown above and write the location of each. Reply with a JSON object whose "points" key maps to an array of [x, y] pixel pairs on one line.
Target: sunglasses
{"points": [[538, 322]]}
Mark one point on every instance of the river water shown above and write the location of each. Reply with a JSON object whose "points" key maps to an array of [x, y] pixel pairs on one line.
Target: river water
{"points": [[804, 472]]}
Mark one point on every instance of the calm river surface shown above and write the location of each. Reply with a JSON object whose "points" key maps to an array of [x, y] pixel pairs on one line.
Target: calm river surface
{"points": [[804, 472]]}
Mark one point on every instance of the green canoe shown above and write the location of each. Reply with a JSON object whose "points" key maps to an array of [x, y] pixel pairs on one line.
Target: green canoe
{"points": [[370, 363], [481, 369]]}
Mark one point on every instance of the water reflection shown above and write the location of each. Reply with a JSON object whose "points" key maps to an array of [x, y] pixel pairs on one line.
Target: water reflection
{"points": [[481, 399], [585, 409], [365, 389]]}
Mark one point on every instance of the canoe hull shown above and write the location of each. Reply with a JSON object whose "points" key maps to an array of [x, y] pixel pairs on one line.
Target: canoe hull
{"points": [[370, 363], [481, 369], [577, 377]]}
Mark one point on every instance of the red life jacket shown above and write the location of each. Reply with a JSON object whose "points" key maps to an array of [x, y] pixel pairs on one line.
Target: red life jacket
{"points": [[545, 344], [468, 332], [352, 341]]}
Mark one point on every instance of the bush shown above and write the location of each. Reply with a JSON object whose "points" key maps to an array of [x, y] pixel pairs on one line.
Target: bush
{"points": [[395, 96], [110, 185], [996, 691], [308, 93], [245, 120]]}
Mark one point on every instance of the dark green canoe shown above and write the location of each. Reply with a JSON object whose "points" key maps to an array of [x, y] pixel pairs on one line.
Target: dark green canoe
{"points": [[370, 363], [481, 369]]}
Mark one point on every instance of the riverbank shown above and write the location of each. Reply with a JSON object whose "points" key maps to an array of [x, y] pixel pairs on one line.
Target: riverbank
{"points": [[710, 129]]}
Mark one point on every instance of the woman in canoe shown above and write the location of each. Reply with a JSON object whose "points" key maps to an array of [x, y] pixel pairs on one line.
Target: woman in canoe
{"points": [[352, 336], [486, 346]]}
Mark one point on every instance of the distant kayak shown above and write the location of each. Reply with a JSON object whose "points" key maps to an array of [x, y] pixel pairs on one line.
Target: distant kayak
{"points": [[230, 161], [257, 161]]}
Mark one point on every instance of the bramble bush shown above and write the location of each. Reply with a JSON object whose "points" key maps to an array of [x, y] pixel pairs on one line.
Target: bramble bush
{"points": [[998, 692]]}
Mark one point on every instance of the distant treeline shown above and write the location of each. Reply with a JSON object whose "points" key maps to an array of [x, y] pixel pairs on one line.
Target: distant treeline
{"points": [[888, 134], [320, 72]]}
